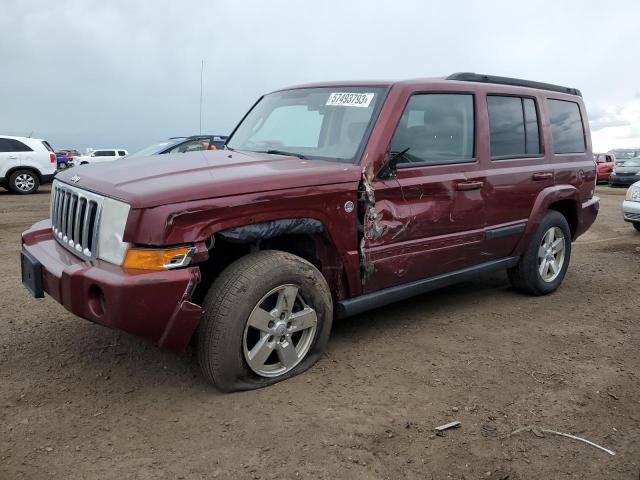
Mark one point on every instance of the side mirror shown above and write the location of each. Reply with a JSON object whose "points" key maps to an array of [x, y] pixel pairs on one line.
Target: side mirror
{"points": [[389, 167]]}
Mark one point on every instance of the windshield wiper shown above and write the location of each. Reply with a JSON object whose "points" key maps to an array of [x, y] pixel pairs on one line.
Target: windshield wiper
{"points": [[282, 152]]}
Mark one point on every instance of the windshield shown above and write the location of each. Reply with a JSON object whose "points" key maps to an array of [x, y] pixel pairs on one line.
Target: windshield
{"points": [[151, 149], [317, 123]]}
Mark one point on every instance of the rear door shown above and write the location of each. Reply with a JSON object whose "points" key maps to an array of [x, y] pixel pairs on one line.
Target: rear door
{"points": [[8, 158], [518, 168], [429, 219]]}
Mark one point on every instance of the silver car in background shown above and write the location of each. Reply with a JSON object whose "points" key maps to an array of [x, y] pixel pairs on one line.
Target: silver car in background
{"points": [[631, 206]]}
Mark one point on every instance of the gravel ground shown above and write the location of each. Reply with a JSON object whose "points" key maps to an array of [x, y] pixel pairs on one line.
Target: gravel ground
{"points": [[80, 401]]}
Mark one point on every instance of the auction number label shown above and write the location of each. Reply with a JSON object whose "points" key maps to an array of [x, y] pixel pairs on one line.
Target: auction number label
{"points": [[350, 99]]}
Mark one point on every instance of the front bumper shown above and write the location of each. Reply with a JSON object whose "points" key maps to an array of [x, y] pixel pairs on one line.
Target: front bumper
{"points": [[151, 305], [624, 181], [631, 211]]}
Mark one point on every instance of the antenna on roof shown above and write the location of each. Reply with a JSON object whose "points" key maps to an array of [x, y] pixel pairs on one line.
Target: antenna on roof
{"points": [[201, 71]]}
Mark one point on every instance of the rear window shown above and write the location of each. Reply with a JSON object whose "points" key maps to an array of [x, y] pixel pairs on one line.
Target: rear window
{"points": [[17, 146], [513, 126], [566, 126], [47, 146], [122, 153]]}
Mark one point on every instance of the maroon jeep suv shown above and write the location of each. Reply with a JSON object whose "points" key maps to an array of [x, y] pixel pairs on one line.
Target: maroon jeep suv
{"points": [[328, 200]]}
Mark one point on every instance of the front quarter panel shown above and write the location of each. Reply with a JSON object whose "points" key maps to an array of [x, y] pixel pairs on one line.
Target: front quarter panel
{"points": [[197, 221]]}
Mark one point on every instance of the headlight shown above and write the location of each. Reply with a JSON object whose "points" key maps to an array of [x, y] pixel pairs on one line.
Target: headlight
{"points": [[111, 247], [633, 194]]}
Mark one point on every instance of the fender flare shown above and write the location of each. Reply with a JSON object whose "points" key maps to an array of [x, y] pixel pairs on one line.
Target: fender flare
{"points": [[543, 201], [273, 228]]}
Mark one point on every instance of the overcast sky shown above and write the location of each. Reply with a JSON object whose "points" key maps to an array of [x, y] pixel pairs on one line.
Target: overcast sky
{"points": [[85, 73]]}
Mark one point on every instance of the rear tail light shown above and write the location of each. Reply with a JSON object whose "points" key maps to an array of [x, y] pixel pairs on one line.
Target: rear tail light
{"points": [[52, 157]]}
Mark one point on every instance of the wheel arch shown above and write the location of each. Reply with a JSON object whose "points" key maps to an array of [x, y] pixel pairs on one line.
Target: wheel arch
{"points": [[14, 169], [561, 198], [305, 237]]}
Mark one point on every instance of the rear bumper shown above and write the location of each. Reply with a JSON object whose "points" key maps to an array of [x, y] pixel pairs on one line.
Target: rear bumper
{"points": [[48, 178], [587, 215], [152, 305], [617, 181]]}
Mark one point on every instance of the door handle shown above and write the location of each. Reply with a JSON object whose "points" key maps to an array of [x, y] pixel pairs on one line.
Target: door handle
{"points": [[12, 157], [542, 176], [466, 186]]}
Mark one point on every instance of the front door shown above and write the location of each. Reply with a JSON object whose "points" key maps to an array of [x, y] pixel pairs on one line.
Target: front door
{"points": [[429, 219]]}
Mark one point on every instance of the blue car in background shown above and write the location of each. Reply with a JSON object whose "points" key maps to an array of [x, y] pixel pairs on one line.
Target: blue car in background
{"points": [[182, 145], [64, 158]]}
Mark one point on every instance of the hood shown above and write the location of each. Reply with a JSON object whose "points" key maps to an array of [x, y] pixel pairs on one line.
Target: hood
{"points": [[180, 177]]}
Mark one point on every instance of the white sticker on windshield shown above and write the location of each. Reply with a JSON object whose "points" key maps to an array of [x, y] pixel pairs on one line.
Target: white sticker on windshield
{"points": [[350, 99]]}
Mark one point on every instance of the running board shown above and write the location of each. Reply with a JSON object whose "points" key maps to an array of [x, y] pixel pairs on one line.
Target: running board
{"points": [[369, 301]]}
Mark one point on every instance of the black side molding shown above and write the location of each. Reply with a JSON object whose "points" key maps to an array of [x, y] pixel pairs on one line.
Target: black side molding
{"points": [[369, 301], [518, 82], [504, 231]]}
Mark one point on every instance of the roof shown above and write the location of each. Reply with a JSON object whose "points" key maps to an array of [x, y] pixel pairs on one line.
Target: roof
{"points": [[459, 77], [22, 138]]}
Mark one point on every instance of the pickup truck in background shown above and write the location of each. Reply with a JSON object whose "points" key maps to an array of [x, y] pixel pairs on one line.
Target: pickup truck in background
{"points": [[100, 156], [605, 163]]}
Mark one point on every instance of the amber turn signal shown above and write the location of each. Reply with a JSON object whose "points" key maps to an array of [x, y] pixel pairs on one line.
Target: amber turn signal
{"points": [[157, 258]]}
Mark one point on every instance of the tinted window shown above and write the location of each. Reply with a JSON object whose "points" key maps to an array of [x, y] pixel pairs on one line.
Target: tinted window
{"points": [[47, 146], [19, 146], [122, 153], [531, 126], [513, 125], [104, 153], [5, 145], [436, 128], [566, 126]]}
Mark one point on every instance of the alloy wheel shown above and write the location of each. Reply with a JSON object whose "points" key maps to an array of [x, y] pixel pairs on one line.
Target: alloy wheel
{"points": [[25, 182], [279, 332], [551, 254]]}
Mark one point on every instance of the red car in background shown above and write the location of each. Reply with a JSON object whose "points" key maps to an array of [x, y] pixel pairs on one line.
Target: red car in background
{"points": [[605, 163]]}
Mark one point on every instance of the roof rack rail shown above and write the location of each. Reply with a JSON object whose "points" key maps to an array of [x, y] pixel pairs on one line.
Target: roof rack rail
{"points": [[477, 77]]}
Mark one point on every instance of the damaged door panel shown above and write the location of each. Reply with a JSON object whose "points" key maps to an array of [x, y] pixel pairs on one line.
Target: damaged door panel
{"points": [[418, 225]]}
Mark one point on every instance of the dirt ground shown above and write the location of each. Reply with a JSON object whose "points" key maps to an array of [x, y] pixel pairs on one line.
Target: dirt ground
{"points": [[80, 401]]}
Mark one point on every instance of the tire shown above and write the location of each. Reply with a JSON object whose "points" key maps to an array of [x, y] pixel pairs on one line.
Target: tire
{"points": [[24, 182], [526, 276], [636, 225], [249, 292], [62, 166]]}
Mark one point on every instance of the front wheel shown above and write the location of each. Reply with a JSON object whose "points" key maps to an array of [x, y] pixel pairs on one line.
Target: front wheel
{"points": [[544, 264], [267, 318], [23, 182]]}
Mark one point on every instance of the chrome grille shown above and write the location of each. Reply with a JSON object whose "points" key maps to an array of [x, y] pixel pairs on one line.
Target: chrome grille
{"points": [[75, 218], [632, 216]]}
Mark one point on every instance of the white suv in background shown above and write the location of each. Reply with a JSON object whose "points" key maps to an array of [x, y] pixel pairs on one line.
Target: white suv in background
{"points": [[102, 155], [25, 163]]}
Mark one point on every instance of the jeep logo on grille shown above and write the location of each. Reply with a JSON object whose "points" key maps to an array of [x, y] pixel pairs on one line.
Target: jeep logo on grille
{"points": [[75, 179]]}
